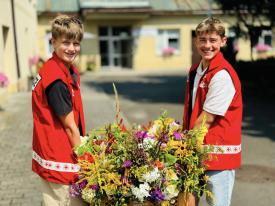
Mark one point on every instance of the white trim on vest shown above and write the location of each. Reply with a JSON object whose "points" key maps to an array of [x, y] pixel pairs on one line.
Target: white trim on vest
{"points": [[56, 166], [224, 149]]}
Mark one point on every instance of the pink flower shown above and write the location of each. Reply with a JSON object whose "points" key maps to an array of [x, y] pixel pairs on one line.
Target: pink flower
{"points": [[3, 80], [260, 47], [33, 60], [168, 51]]}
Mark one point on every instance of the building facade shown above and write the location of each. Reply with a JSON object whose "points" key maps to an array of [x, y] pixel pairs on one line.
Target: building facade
{"points": [[18, 48], [136, 34]]}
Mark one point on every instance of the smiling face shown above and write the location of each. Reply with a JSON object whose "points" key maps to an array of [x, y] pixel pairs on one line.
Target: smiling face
{"points": [[208, 45], [66, 49]]}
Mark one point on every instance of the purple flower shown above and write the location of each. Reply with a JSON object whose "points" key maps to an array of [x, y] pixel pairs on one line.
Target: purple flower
{"points": [[157, 195], [177, 136], [141, 134], [83, 184], [127, 163], [94, 187], [75, 191]]}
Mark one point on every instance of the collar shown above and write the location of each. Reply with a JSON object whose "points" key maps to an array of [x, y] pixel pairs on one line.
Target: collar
{"points": [[200, 71], [65, 69], [216, 61]]}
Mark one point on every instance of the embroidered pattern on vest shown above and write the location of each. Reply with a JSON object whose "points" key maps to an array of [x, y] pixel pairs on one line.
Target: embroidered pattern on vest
{"points": [[35, 81], [225, 149], [56, 166]]}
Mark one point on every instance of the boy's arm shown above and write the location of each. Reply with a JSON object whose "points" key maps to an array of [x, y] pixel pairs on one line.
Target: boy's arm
{"points": [[209, 119], [71, 128]]}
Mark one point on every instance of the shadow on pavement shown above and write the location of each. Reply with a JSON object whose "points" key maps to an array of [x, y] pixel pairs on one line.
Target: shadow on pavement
{"points": [[160, 89], [259, 103]]}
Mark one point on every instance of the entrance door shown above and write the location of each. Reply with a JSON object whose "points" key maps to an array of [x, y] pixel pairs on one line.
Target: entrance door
{"points": [[115, 47]]}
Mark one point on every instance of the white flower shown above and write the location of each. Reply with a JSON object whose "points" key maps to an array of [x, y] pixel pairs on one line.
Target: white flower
{"points": [[141, 192], [170, 192], [88, 195], [153, 130], [148, 143], [174, 126], [83, 140], [152, 175]]}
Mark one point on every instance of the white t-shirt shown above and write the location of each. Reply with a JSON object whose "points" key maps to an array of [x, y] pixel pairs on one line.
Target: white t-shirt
{"points": [[220, 93]]}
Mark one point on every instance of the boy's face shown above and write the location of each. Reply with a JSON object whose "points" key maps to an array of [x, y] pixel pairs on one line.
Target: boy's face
{"points": [[208, 45], [66, 49]]}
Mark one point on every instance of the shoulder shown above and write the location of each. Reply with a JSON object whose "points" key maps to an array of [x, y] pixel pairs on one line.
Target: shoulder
{"points": [[222, 75], [51, 72]]}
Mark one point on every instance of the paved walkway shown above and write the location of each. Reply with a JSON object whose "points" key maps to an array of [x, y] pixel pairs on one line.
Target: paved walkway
{"points": [[19, 186]]}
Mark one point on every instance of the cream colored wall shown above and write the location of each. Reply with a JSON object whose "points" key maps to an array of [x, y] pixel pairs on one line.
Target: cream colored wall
{"points": [[7, 51], [146, 56], [26, 29], [25, 18], [43, 27]]}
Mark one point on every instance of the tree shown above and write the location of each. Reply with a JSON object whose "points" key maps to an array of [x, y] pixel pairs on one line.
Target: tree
{"points": [[253, 16]]}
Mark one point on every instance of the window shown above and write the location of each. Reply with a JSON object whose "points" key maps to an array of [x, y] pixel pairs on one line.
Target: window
{"points": [[264, 42], [5, 31], [168, 41], [48, 45], [266, 38]]}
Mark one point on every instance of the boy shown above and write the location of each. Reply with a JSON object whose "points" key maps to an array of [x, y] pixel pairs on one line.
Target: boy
{"points": [[214, 92], [58, 114]]}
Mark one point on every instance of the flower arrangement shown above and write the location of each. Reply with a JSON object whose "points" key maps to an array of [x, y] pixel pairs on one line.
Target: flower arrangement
{"points": [[152, 163], [3, 80], [260, 47], [169, 51]]}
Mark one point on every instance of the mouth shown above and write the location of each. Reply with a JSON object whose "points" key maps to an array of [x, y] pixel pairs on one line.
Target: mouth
{"points": [[70, 55], [207, 52]]}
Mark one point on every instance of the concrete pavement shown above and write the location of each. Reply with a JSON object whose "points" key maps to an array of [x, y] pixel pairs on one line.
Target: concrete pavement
{"points": [[18, 185], [255, 182]]}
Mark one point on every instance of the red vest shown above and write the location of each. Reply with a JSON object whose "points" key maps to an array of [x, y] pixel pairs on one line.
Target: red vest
{"points": [[225, 132], [53, 159]]}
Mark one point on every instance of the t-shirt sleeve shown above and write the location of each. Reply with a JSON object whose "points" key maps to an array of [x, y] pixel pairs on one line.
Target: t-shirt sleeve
{"points": [[59, 98], [220, 93]]}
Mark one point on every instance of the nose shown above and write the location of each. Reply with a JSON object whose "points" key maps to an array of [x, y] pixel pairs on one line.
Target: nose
{"points": [[207, 43], [71, 47]]}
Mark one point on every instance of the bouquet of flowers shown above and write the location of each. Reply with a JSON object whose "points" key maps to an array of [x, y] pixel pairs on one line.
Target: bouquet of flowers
{"points": [[152, 163]]}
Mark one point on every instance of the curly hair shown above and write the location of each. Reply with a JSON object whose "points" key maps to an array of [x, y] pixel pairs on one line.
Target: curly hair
{"points": [[69, 26], [210, 25]]}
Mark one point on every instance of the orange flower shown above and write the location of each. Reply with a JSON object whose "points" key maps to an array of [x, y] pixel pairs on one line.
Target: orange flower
{"points": [[159, 164], [86, 156]]}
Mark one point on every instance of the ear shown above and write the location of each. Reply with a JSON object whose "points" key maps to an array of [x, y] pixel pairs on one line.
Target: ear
{"points": [[223, 42], [52, 41]]}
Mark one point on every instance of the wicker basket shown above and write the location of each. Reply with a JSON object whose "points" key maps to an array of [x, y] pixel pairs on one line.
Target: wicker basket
{"points": [[182, 199], [136, 203]]}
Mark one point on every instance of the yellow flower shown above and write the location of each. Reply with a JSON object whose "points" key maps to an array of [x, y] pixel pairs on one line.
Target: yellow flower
{"points": [[205, 178], [110, 183], [168, 121], [165, 203], [171, 175]]}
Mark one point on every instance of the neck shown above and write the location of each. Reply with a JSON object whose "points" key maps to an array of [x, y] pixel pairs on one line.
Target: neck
{"points": [[204, 65]]}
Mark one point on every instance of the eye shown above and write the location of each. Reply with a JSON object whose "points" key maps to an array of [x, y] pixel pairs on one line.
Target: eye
{"points": [[66, 43], [76, 44]]}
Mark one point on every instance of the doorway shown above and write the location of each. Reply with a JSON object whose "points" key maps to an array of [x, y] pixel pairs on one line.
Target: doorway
{"points": [[115, 47]]}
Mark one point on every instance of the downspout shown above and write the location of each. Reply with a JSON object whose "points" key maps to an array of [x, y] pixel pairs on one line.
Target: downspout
{"points": [[15, 40]]}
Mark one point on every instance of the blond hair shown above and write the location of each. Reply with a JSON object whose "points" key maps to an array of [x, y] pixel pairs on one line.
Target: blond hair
{"points": [[68, 26], [210, 25]]}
